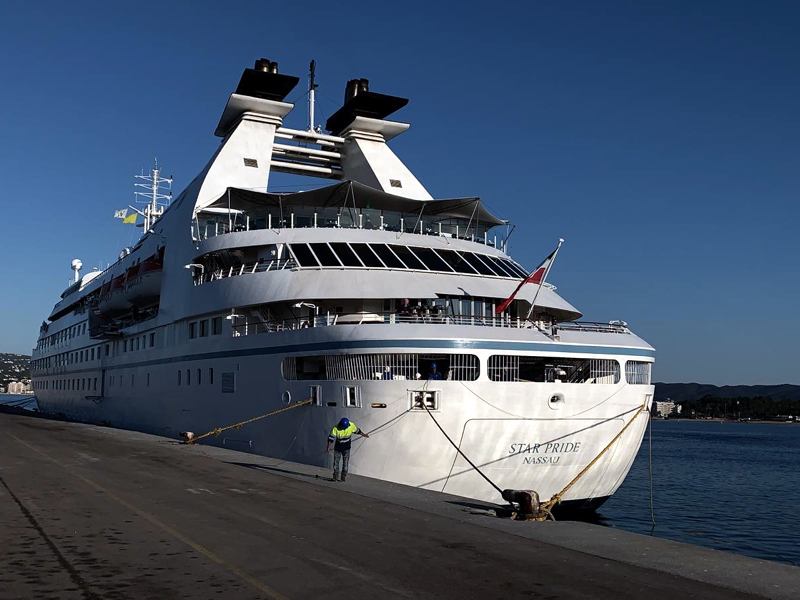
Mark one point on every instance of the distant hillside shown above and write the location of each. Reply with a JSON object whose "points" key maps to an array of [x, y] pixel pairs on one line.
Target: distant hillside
{"points": [[681, 392], [14, 367]]}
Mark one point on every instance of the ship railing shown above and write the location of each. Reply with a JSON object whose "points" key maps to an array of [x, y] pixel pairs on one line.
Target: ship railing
{"points": [[250, 326], [242, 221], [594, 326], [260, 266]]}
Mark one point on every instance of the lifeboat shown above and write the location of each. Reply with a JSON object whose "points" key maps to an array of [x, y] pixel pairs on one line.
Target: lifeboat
{"points": [[114, 302], [143, 284]]}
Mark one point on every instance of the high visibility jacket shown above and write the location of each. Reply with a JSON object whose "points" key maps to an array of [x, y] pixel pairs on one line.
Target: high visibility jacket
{"points": [[342, 437]]}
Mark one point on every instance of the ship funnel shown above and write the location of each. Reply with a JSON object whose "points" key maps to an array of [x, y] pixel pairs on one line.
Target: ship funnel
{"points": [[266, 66], [355, 87], [77, 265]]}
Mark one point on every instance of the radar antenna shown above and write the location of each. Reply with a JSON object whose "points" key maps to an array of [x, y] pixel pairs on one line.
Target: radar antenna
{"points": [[159, 189]]}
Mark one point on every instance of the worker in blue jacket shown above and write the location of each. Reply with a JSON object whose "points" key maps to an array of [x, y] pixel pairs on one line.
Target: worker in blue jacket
{"points": [[341, 437]]}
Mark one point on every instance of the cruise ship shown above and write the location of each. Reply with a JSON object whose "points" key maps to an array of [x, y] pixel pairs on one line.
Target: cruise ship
{"points": [[237, 301]]}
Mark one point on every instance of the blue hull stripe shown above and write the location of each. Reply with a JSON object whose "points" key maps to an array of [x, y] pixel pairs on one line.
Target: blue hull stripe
{"points": [[377, 344]]}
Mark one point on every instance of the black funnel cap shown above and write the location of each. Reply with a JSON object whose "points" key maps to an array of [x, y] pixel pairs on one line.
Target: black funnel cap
{"points": [[360, 102], [264, 81]]}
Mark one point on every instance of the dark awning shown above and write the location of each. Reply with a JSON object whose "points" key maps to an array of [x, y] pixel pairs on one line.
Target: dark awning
{"points": [[357, 195]]}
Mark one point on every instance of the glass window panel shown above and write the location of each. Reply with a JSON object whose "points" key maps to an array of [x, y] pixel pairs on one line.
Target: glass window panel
{"points": [[485, 268], [515, 267], [387, 256], [367, 256], [505, 271], [303, 255], [325, 255], [456, 261], [431, 259], [346, 254], [408, 257]]}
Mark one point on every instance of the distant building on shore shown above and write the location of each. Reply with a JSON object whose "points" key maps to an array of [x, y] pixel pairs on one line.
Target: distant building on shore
{"points": [[18, 387], [666, 408]]}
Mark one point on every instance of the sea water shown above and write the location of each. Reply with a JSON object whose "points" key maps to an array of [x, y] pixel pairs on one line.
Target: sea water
{"points": [[726, 485]]}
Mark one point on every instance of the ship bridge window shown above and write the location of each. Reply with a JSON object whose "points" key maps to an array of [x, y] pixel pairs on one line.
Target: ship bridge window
{"points": [[346, 254], [387, 256], [304, 255], [515, 267], [477, 264], [407, 256], [502, 269], [456, 262], [325, 255], [367, 256], [484, 259], [431, 259]]}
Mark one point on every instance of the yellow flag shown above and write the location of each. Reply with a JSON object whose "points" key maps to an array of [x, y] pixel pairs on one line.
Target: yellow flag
{"points": [[130, 219]]}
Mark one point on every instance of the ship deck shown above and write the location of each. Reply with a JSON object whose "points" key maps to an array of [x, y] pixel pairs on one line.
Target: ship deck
{"points": [[94, 512]]}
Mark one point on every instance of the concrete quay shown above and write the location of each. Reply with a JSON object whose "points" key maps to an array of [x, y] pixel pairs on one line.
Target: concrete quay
{"points": [[93, 512]]}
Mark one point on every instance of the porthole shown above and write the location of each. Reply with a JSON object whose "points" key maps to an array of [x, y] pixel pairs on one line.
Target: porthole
{"points": [[287, 397], [556, 401]]}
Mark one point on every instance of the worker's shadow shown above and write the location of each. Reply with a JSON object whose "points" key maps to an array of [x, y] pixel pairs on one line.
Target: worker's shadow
{"points": [[280, 470]]}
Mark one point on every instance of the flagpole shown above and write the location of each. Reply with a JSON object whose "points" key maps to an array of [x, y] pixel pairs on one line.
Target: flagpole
{"points": [[544, 277]]}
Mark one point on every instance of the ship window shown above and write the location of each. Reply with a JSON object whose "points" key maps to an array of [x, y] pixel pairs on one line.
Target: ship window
{"points": [[315, 393], [503, 269], [303, 255], [408, 257], [108, 349], [133, 379], [188, 377], [199, 376], [477, 259], [387, 256], [204, 328], [153, 339], [551, 369], [179, 378], [637, 372], [519, 271], [137, 344], [216, 326], [431, 259], [367, 256], [211, 375], [192, 330], [351, 396], [456, 261], [346, 254], [325, 255]]}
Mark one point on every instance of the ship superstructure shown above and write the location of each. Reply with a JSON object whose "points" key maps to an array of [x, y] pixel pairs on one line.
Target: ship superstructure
{"points": [[237, 300]]}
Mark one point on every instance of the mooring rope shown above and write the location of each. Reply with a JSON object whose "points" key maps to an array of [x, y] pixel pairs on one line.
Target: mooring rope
{"points": [[219, 430]]}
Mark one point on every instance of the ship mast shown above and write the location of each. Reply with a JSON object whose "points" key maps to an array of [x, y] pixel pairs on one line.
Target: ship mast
{"points": [[312, 86], [159, 188]]}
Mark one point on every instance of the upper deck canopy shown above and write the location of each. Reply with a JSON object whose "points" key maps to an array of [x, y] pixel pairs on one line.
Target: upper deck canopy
{"points": [[357, 195]]}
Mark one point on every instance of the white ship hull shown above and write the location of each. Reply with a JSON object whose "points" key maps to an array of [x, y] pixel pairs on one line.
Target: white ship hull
{"points": [[510, 430]]}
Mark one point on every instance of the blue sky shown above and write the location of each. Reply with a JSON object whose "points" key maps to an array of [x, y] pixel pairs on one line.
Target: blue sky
{"points": [[661, 141]]}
